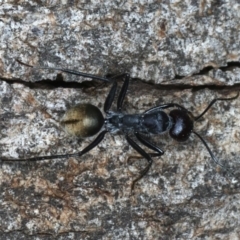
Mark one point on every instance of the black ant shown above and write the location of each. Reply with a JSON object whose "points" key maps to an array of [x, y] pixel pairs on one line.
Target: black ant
{"points": [[85, 120]]}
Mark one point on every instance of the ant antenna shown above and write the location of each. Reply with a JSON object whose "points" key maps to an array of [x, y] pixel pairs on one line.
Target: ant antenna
{"points": [[212, 102], [203, 141], [73, 72], [212, 155]]}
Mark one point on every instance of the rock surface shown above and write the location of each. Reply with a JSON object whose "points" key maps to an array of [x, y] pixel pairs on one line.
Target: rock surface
{"points": [[187, 51]]}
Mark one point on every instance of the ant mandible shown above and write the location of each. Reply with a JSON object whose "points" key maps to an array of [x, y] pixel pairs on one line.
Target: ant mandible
{"points": [[86, 120]]}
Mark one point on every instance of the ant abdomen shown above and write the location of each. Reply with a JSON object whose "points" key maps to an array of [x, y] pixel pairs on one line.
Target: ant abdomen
{"points": [[83, 120], [182, 125]]}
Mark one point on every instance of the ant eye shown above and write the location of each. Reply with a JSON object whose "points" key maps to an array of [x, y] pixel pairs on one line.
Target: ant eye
{"points": [[83, 120]]}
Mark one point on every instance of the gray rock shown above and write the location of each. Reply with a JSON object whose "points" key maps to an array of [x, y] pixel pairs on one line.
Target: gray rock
{"points": [[188, 52]]}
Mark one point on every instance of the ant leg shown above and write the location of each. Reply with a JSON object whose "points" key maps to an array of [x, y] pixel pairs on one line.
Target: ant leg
{"points": [[211, 154], [110, 97], [123, 92], [78, 154], [159, 152], [164, 106], [150, 145], [112, 92], [145, 155], [212, 102], [77, 73]]}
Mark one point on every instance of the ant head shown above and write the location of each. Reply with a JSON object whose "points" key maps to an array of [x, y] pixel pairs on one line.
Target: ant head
{"points": [[83, 120], [182, 125]]}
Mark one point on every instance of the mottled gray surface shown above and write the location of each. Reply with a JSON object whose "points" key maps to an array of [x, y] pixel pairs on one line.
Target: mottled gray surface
{"points": [[184, 195], [156, 41]]}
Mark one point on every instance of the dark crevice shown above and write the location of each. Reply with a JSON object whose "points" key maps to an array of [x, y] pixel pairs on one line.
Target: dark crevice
{"points": [[204, 71], [179, 77], [230, 66], [181, 86], [226, 88], [60, 83], [197, 88], [52, 84]]}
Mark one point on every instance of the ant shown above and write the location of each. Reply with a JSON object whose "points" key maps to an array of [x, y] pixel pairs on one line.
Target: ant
{"points": [[86, 120]]}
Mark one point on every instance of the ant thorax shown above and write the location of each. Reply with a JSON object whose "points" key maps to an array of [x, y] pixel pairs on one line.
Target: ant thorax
{"points": [[156, 122]]}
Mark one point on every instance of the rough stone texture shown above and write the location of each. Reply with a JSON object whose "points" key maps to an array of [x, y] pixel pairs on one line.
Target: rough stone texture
{"points": [[185, 45], [154, 40], [183, 196]]}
